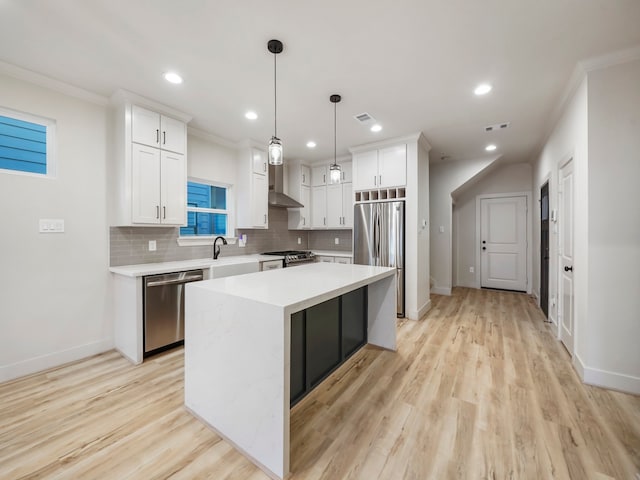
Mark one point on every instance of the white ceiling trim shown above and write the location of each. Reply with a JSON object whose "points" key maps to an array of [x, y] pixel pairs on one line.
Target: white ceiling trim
{"points": [[610, 59], [52, 84]]}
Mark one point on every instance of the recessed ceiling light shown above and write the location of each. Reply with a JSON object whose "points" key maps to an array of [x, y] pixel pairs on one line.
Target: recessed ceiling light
{"points": [[251, 115], [311, 144], [482, 89], [490, 148], [376, 128], [173, 77]]}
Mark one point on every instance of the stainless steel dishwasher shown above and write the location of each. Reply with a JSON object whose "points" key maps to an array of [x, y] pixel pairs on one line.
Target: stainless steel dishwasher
{"points": [[164, 309]]}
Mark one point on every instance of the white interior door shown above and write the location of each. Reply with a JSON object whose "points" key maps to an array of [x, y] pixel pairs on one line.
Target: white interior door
{"points": [[565, 251], [503, 248]]}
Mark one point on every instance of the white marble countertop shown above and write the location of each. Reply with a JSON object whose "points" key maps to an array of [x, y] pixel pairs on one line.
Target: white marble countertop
{"points": [[143, 269], [333, 253], [297, 288]]}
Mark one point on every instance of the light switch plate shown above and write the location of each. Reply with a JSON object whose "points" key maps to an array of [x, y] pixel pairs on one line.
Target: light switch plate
{"points": [[48, 225], [152, 245], [337, 240]]}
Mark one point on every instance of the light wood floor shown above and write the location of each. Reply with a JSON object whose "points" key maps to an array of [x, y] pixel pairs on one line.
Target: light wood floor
{"points": [[478, 389]]}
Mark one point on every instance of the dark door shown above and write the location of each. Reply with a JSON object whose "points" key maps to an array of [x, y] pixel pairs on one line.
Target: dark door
{"points": [[544, 249], [354, 321], [323, 340], [298, 351]]}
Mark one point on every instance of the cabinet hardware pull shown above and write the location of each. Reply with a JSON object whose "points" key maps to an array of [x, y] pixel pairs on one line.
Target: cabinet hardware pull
{"points": [[380, 182], [303, 180], [164, 138], [157, 135], [324, 178], [264, 167], [164, 212], [568, 269], [304, 221], [157, 211], [265, 218], [375, 180], [324, 220]]}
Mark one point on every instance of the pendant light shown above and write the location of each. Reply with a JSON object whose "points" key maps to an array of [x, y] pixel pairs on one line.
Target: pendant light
{"points": [[275, 144], [335, 172]]}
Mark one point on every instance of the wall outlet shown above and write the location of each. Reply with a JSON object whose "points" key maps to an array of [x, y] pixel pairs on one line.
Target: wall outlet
{"points": [[472, 270], [299, 241], [441, 228], [337, 240], [152, 245], [242, 240]]}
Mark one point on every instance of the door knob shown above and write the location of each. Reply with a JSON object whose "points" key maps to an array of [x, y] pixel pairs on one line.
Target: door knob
{"points": [[484, 241], [484, 248], [568, 269]]}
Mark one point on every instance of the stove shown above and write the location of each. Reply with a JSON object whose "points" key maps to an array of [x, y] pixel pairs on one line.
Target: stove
{"points": [[294, 257]]}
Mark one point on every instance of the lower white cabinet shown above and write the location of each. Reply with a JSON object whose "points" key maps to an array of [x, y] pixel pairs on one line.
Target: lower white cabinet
{"points": [[159, 188], [333, 259], [270, 265]]}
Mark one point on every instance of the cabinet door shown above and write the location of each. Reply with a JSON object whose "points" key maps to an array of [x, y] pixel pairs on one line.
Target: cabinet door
{"points": [[392, 164], [260, 200], [259, 161], [319, 207], [365, 167], [343, 260], [325, 259], [305, 175], [323, 340], [354, 321], [173, 193], [347, 205], [173, 135], [297, 384], [347, 172], [319, 176], [145, 126], [305, 212], [334, 206], [145, 180]]}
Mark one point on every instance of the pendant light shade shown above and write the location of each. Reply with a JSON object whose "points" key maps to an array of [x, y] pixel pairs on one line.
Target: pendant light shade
{"points": [[275, 144], [335, 172]]}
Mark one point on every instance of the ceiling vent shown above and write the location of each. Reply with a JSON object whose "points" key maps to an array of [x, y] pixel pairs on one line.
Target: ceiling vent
{"points": [[497, 126], [364, 118]]}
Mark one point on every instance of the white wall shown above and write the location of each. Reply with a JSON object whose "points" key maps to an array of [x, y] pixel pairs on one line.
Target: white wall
{"points": [[53, 287], [209, 159], [504, 179], [445, 178], [568, 140], [610, 341]]}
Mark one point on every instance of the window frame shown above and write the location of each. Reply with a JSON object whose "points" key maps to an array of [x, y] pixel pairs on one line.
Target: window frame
{"points": [[50, 153], [194, 240]]}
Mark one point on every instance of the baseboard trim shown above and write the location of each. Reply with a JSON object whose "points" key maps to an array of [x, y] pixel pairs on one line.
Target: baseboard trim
{"points": [[51, 360], [418, 314], [606, 379], [441, 290]]}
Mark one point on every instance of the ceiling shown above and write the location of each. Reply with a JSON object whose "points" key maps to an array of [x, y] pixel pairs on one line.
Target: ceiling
{"points": [[411, 64]]}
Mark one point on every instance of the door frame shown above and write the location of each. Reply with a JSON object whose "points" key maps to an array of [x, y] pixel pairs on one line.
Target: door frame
{"points": [[548, 179], [528, 223]]}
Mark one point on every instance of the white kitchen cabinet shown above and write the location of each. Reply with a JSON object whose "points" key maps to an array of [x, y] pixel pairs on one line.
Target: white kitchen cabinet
{"points": [[324, 259], [299, 181], [252, 192], [339, 206], [319, 207], [159, 193], [319, 176], [156, 130], [346, 172], [259, 161], [270, 265], [344, 260], [333, 259], [147, 182], [382, 168]]}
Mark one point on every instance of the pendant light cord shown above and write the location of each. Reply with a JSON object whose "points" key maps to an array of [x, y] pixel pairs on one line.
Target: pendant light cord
{"points": [[275, 97], [335, 133]]}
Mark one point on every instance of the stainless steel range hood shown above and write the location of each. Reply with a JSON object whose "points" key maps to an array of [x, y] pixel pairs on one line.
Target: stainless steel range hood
{"points": [[276, 187]]}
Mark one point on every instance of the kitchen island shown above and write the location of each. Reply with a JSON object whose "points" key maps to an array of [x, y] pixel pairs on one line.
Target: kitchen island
{"points": [[238, 347]]}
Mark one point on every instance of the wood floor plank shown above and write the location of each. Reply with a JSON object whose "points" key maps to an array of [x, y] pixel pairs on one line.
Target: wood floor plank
{"points": [[479, 389]]}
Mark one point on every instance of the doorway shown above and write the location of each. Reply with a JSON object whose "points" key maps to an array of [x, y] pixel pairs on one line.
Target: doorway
{"points": [[565, 252], [503, 247], [544, 249]]}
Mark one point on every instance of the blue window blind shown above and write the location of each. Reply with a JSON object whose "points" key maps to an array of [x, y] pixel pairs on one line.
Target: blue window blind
{"points": [[23, 146], [206, 210]]}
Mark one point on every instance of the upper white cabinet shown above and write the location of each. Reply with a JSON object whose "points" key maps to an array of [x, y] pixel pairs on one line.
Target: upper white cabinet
{"points": [[319, 207], [347, 171], [147, 164], [252, 192], [305, 175], [299, 181], [319, 176], [156, 130], [383, 168]]}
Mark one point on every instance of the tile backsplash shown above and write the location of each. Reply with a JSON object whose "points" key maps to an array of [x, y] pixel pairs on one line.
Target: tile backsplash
{"points": [[130, 245]]}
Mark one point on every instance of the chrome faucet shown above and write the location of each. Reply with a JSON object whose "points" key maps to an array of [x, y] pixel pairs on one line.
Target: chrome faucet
{"points": [[216, 249]]}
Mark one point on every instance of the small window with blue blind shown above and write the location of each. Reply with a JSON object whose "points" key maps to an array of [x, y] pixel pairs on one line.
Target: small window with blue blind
{"points": [[207, 213], [25, 143]]}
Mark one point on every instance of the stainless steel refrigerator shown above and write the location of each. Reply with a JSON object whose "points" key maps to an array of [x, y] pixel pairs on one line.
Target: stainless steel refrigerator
{"points": [[378, 239]]}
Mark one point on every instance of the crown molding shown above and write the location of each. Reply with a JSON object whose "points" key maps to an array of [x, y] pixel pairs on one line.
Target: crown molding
{"points": [[122, 95], [210, 137], [415, 137], [610, 59], [52, 84]]}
